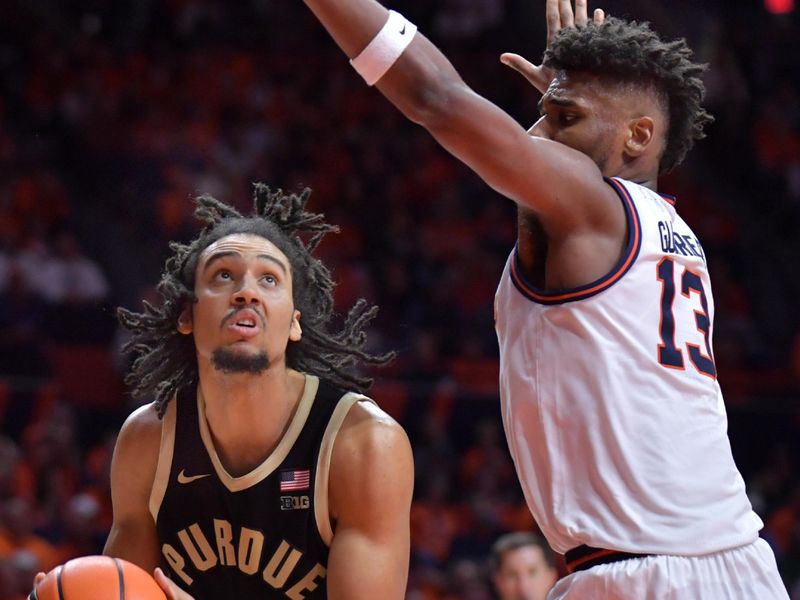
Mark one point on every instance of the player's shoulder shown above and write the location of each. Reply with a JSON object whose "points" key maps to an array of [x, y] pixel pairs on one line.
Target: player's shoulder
{"points": [[369, 430], [143, 418], [142, 428], [365, 412]]}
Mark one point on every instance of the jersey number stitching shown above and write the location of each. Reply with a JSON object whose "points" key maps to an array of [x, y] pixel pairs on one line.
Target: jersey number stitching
{"points": [[669, 355]]}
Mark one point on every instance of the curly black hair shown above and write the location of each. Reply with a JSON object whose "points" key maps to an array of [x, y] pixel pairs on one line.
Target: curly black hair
{"points": [[165, 360], [631, 52]]}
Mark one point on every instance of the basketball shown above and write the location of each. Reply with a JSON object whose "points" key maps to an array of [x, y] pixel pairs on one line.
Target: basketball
{"points": [[97, 578]]}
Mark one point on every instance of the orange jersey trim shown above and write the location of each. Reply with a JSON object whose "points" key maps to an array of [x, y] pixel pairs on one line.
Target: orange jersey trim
{"points": [[616, 273]]}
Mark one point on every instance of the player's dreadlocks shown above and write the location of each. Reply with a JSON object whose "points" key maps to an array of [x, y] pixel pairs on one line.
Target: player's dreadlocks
{"points": [[165, 359], [631, 52]]}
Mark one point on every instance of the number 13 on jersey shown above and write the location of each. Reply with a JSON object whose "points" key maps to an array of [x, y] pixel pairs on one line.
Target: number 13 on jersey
{"points": [[669, 354]]}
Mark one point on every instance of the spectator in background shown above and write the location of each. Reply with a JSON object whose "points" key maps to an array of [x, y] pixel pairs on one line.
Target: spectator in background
{"points": [[52, 461], [522, 567], [36, 265], [81, 533], [16, 573], [80, 278], [21, 316], [76, 315], [17, 534]]}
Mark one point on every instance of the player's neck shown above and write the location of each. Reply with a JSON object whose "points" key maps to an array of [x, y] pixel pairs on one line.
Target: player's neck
{"points": [[248, 415], [648, 183], [645, 177]]}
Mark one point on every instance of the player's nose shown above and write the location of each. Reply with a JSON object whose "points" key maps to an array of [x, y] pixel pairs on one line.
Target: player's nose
{"points": [[247, 291], [540, 129]]}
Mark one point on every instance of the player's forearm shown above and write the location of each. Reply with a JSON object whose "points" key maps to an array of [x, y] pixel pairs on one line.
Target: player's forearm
{"points": [[351, 24], [136, 544], [419, 82]]}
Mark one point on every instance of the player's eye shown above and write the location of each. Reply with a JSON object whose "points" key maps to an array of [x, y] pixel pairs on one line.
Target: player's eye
{"points": [[566, 118]]}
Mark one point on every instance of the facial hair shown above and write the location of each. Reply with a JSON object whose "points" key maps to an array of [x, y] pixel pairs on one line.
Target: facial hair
{"points": [[230, 362]]}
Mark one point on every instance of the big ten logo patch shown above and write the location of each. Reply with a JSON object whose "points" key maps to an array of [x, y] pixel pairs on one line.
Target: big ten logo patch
{"points": [[295, 502]]}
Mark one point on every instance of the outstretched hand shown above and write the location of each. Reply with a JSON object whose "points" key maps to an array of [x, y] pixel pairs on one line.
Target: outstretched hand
{"points": [[559, 14]]}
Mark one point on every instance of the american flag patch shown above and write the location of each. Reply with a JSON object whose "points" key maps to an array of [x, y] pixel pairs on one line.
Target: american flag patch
{"points": [[294, 480]]}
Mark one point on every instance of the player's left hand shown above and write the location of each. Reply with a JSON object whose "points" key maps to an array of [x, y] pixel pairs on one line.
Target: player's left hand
{"points": [[559, 15], [172, 591]]}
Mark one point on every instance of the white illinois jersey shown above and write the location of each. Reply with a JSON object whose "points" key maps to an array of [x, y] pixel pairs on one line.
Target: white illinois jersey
{"points": [[610, 402]]}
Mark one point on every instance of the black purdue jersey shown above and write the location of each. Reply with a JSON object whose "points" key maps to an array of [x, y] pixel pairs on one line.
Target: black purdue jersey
{"points": [[264, 534]]}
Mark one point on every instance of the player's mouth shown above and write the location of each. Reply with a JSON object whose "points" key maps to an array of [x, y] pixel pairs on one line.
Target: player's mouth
{"points": [[245, 322]]}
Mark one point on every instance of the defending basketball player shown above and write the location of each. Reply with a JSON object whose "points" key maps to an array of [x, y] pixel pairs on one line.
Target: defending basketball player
{"points": [[259, 471], [611, 406]]}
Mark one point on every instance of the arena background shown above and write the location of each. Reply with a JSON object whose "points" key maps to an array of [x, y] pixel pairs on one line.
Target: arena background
{"points": [[114, 114]]}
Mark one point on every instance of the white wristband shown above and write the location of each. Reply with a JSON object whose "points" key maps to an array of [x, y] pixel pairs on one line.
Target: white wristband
{"points": [[385, 48]]}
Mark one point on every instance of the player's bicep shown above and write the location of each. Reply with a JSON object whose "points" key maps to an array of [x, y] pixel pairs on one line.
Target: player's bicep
{"points": [[497, 148], [371, 489], [545, 177], [362, 567], [562, 187]]}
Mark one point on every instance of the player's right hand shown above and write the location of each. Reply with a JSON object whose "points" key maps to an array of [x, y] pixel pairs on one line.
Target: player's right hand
{"points": [[172, 591], [559, 14]]}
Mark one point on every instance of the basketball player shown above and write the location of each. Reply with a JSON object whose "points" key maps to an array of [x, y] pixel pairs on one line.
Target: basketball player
{"points": [[610, 402], [255, 474], [523, 567]]}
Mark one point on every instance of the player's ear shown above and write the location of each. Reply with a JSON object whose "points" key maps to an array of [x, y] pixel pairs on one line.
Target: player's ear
{"points": [[640, 134], [295, 331], [185, 324]]}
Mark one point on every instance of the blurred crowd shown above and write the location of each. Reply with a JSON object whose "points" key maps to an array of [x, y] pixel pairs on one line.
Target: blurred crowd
{"points": [[113, 115]]}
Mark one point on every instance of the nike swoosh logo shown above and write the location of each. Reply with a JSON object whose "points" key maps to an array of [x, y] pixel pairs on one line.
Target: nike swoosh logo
{"points": [[184, 478], [403, 30]]}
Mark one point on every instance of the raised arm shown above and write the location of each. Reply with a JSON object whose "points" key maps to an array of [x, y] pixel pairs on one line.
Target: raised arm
{"points": [[133, 532], [370, 488], [561, 186]]}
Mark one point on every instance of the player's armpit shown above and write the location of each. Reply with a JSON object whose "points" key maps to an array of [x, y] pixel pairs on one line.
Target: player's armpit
{"points": [[133, 534], [370, 489]]}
